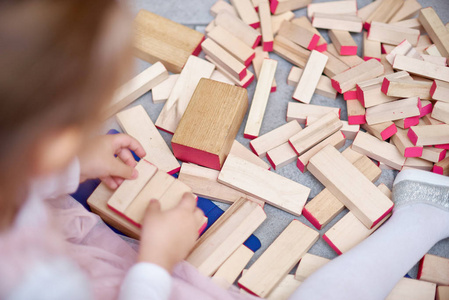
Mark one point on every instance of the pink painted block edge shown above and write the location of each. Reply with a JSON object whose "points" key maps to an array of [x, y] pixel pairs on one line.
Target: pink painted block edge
{"points": [[356, 120], [268, 46], [389, 131], [412, 136], [309, 217], [332, 245], [348, 50], [413, 152]]}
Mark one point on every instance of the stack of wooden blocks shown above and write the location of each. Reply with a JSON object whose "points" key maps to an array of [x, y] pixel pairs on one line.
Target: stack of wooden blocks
{"points": [[398, 93]]}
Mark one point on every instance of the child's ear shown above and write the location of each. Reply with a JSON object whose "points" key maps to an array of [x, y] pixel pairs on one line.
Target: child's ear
{"points": [[56, 150]]}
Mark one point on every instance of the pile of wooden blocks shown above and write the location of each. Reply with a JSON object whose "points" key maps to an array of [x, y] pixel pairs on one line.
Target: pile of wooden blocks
{"points": [[398, 93]]}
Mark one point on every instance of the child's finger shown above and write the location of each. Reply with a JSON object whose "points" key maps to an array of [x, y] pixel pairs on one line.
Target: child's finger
{"points": [[126, 141], [188, 202], [153, 207], [117, 180], [126, 156], [110, 183], [120, 169]]}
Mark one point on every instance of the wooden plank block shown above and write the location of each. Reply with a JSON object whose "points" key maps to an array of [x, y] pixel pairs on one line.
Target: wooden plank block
{"points": [[246, 11], [407, 10], [350, 95], [265, 24], [129, 189], [281, 155], [428, 120], [233, 266], [337, 140], [280, 257], [368, 9], [349, 60], [435, 29], [434, 269], [315, 133], [244, 83], [270, 140], [343, 42], [308, 264], [224, 58], [347, 80], [378, 150], [305, 23], [440, 91], [429, 135], [387, 66], [300, 111], [290, 51], [441, 61], [207, 140], [339, 22], [406, 88], [441, 111], [417, 163], [159, 39], [325, 206], [371, 49], [323, 88], [410, 23], [162, 91], [280, 6], [264, 184], [136, 87], [221, 6], [432, 50], [349, 131], [356, 112], [403, 48], [345, 7], [241, 151], [383, 12], [392, 34], [261, 55], [225, 236], [285, 288], [405, 146], [260, 99], [412, 289], [174, 108], [299, 35], [442, 293], [442, 167], [277, 20], [219, 76], [238, 28], [236, 47], [334, 65], [382, 131], [400, 109], [421, 68], [433, 154], [310, 77]]}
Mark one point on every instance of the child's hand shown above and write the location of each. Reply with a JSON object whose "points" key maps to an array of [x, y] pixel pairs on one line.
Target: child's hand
{"points": [[97, 159], [169, 236]]}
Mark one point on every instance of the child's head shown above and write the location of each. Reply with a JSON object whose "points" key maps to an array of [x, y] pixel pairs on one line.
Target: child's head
{"points": [[60, 62]]}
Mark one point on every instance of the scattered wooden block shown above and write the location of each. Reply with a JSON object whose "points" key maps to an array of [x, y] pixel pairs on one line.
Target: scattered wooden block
{"points": [[257, 64], [435, 29], [244, 83], [433, 154], [442, 293], [136, 122], [162, 91], [371, 49], [417, 163], [174, 108], [428, 120], [315, 133], [406, 88], [290, 51], [368, 9], [392, 34], [349, 60], [159, 39], [285, 288], [305, 23], [347, 80], [383, 12], [241, 151], [345, 7], [280, 6], [334, 65], [411, 23], [233, 266], [382, 131], [378, 150], [260, 99], [277, 20], [405, 146], [300, 111], [299, 35], [434, 269], [280, 257], [441, 111], [432, 50], [225, 236], [387, 66], [412, 289], [261, 145], [421, 68], [407, 10], [310, 77], [238, 28], [308, 264], [264, 184], [407, 122], [400, 109], [265, 24], [281, 155], [440, 91], [429, 135], [349, 131], [247, 13], [323, 88], [206, 140], [221, 6], [441, 61], [356, 112], [219, 76], [442, 167], [136, 87], [350, 95], [338, 22], [343, 41]]}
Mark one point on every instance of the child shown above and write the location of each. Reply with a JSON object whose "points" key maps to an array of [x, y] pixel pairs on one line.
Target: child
{"points": [[60, 63]]}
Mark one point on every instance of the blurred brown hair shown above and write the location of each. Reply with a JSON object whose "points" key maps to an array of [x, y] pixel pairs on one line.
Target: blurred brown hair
{"points": [[56, 70]]}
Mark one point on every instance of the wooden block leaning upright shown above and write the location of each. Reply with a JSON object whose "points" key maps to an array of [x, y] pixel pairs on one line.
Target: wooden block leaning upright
{"points": [[435, 29]]}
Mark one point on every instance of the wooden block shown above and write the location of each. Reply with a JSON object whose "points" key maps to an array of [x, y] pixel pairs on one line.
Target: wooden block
{"points": [[408, 10], [392, 34], [429, 135], [260, 99], [433, 154], [285, 288], [219, 76], [347, 80], [349, 131], [225, 236], [442, 167], [411, 23], [417, 163], [438, 60], [174, 108], [247, 13], [277, 20], [136, 87], [338, 22], [281, 155], [206, 140], [405, 146], [442, 293], [343, 41], [412, 289], [382, 131], [349, 60], [378, 150], [280, 257], [290, 51], [323, 88], [244, 83], [345, 7], [440, 91], [334, 65], [300, 111], [421, 68], [162, 91], [403, 48], [265, 24], [280, 6], [236, 47], [428, 120], [241, 151], [325, 206], [261, 145], [350, 95], [224, 58], [233, 266], [159, 39], [435, 29], [308, 264], [432, 50], [310, 77], [305, 23], [400, 109], [257, 64], [387, 66], [315, 133], [384, 12], [266, 185], [368, 9], [221, 6], [441, 111], [239, 29], [356, 112], [371, 49], [434, 269], [299, 35], [406, 88], [337, 140]]}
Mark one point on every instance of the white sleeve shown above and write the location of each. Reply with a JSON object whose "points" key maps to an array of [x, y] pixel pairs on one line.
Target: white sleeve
{"points": [[146, 281]]}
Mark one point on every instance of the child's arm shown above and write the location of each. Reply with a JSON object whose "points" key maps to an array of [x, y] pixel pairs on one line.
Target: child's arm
{"points": [[167, 238]]}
